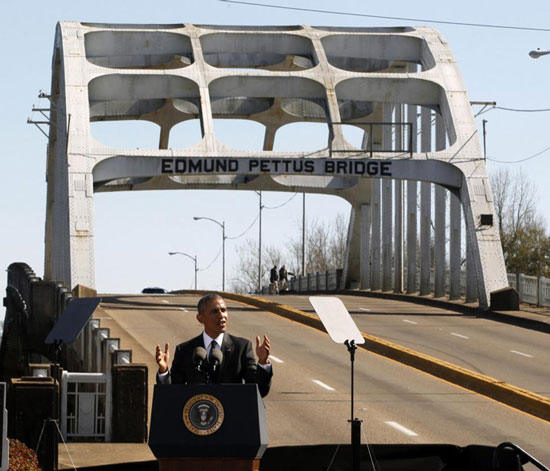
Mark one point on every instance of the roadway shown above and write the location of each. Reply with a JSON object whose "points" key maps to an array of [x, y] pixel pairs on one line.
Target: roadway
{"points": [[309, 400], [506, 352]]}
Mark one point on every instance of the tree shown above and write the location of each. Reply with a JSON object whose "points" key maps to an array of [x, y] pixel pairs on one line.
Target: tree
{"points": [[525, 243], [325, 246], [246, 276], [325, 250]]}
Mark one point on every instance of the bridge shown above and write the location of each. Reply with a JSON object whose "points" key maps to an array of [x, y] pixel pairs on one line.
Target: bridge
{"points": [[420, 163], [422, 211]]}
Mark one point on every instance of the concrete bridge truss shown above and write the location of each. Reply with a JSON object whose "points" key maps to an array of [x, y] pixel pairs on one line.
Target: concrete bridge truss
{"points": [[421, 199]]}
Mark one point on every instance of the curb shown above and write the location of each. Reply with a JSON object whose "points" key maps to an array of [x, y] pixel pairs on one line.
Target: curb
{"points": [[513, 396]]}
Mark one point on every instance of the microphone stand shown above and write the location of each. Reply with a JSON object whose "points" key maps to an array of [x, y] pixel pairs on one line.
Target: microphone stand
{"points": [[355, 422], [203, 367]]}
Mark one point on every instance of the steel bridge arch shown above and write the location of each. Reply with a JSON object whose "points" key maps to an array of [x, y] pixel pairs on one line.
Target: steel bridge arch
{"points": [[168, 74]]}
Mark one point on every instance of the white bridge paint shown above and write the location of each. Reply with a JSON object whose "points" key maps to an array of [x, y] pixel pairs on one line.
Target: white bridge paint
{"points": [[168, 74]]}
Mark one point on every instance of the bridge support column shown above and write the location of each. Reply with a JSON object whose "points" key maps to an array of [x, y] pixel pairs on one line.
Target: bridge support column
{"points": [[366, 246], [375, 248], [69, 251], [412, 197], [471, 287], [398, 236], [440, 219], [398, 211], [455, 248], [412, 239], [425, 207], [387, 203]]}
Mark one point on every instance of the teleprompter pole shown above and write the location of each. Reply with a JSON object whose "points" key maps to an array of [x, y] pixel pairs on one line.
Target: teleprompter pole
{"points": [[355, 422]]}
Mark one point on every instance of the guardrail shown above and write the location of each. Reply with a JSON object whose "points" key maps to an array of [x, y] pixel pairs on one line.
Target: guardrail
{"points": [[531, 289]]}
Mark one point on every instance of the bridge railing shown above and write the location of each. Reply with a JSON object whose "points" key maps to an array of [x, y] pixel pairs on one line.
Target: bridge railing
{"points": [[532, 290], [93, 361]]}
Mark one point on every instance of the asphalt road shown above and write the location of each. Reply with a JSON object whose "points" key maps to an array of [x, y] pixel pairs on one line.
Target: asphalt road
{"points": [[310, 398], [506, 352]]}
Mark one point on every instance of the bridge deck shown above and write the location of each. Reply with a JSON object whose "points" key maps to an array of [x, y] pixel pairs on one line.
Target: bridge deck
{"points": [[309, 401]]}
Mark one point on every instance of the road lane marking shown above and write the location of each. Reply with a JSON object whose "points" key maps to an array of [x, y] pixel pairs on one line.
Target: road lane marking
{"points": [[459, 335], [522, 354], [364, 309], [408, 321], [402, 429], [323, 385], [275, 359]]}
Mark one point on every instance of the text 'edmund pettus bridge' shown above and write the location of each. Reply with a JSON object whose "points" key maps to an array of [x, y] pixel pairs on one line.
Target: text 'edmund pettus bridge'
{"points": [[355, 167]]}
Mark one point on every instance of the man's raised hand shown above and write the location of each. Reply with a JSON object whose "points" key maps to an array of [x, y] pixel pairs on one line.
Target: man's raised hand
{"points": [[262, 350], [162, 358]]}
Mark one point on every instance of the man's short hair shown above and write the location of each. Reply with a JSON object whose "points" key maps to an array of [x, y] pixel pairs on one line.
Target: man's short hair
{"points": [[205, 299]]}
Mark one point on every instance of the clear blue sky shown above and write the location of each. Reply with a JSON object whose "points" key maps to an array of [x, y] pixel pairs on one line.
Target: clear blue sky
{"points": [[134, 231]]}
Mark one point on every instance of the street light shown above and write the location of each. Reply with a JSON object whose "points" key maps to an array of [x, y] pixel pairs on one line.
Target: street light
{"points": [[192, 258], [222, 225], [538, 53], [259, 193]]}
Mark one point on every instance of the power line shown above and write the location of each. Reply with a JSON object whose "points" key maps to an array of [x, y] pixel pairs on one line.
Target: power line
{"points": [[364, 15], [212, 262], [485, 109], [520, 110], [520, 160], [246, 230], [281, 205]]}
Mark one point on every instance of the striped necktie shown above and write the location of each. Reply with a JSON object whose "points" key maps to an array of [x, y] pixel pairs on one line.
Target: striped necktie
{"points": [[213, 346]]}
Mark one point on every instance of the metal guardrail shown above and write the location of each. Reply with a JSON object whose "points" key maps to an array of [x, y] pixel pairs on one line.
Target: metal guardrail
{"points": [[532, 290], [404, 129]]}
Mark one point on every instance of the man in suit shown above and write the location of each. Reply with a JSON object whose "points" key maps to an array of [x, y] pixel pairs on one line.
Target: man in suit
{"points": [[238, 363]]}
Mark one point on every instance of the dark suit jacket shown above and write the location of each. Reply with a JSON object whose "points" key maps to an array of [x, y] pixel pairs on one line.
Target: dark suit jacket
{"points": [[238, 364]]}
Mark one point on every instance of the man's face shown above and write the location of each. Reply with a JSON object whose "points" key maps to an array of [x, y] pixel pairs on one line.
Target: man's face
{"points": [[214, 317]]}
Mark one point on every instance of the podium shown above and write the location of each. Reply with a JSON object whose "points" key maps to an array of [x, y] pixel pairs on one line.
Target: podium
{"points": [[208, 427]]}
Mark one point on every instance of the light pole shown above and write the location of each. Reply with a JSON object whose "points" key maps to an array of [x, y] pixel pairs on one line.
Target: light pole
{"points": [[259, 193], [303, 234], [538, 53], [192, 258], [222, 225]]}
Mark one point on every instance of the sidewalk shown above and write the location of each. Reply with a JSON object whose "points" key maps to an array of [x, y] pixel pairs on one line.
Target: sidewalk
{"points": [[99, 454]]}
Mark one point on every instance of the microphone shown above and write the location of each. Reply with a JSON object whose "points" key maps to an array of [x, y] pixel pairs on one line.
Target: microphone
{"points": [[216, 357], [199, 358]]}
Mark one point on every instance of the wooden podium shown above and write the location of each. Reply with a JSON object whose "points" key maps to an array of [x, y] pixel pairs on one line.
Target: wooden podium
{"points": [[208, 427]]}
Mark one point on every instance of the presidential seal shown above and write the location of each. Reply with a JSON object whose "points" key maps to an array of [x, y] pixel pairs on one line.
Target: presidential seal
{"points": [[203, 414]]}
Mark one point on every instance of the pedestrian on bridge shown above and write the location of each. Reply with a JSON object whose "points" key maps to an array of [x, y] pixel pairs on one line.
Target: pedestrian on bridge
{"points": [[238, 363], [274, 280], [283, 278]]}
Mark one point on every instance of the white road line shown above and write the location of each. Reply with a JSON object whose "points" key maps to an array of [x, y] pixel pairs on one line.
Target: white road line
{"points": [[522, 354], [459, 335], [165, 302], [183, 309], [275, 359], [408, 321], [402, 429], [364, 309], [323, 385]]}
